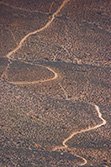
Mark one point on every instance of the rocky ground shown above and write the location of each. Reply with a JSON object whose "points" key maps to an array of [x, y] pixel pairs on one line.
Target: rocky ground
{"points": [[55, 69]]}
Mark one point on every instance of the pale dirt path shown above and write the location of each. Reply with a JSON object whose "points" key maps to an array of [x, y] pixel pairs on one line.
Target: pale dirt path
{"points": [[55, 77], [81, 131], [29, 34], [35, 82], [88, 129], [39, 30]]}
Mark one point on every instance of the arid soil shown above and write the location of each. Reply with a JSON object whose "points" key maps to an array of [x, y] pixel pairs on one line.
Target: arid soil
{"points": [[55, 83]]}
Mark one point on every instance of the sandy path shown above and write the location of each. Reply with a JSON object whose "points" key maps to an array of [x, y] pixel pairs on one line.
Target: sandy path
{"points": [[91, 128], [55, 77], [81, 131], [39, 81], [37, 31], [29, 34]]}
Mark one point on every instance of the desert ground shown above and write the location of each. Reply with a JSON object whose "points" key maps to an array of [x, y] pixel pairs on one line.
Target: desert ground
{"points": [[55, 65]]}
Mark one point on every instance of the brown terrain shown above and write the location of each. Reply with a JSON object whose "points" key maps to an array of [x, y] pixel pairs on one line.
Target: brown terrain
{"points": [[55, 103]]}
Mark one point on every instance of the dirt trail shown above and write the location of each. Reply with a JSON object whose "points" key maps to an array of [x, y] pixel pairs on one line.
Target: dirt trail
{"points": [[81, 131], [35, 82], [39, 30], [29, 34], [88, 129], [55, 77]]}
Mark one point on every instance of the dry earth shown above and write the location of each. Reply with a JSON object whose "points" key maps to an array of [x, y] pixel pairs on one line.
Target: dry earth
{"points": [[55, 83]]}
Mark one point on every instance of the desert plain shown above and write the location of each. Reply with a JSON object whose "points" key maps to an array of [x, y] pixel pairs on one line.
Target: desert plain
{"points": [[55, 65]]}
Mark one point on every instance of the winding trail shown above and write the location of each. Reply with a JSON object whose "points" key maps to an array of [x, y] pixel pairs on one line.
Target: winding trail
{"points": [[64, 145], [81, 131], [39, 30], [35, 82], [29, 34], [91, 128]]}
